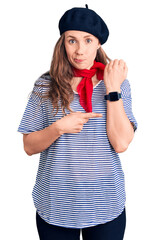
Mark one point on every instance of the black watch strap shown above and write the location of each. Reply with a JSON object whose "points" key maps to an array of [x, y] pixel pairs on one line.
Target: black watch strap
{"points": [[113, 96]]}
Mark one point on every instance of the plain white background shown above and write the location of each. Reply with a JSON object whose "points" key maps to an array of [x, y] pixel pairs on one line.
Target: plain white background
{"points": [[29, 31]]}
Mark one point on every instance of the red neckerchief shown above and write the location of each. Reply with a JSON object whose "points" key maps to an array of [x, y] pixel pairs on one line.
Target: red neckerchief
{"points": [[85, 87]]}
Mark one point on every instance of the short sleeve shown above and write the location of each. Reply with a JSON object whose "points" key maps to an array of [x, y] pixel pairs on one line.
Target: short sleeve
{"points": [[32, 119], [127, 102]]}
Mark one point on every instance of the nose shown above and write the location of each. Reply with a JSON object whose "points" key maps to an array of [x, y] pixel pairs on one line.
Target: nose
{"points": [[80, 49]]}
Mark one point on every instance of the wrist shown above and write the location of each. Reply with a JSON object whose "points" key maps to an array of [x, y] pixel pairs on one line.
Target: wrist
{"points": [[113, 89], [58, 127]]}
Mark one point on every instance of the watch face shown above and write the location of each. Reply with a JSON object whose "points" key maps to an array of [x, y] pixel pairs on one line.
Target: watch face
{"points": [[113, 96]]}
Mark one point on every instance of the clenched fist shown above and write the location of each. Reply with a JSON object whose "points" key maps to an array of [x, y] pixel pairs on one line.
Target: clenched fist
{"points": [[115, 73]]}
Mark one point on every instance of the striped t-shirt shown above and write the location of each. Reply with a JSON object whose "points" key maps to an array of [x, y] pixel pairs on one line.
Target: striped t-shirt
{"points": [[80, 181]]}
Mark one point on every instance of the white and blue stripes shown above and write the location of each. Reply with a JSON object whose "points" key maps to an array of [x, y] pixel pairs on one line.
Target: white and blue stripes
{"points": [[80, 181]]}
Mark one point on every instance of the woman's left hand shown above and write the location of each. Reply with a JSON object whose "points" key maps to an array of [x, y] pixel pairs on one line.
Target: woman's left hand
{"points": [[115, 73]]}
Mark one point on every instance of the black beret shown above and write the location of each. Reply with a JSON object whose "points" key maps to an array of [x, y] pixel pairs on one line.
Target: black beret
{"points": [[86, 20]]}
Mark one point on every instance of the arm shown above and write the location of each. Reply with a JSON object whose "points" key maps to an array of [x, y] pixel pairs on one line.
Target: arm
{"points": [[38, 141], [119, 128]]}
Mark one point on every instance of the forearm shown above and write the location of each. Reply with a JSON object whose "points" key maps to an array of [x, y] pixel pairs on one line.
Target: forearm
{"points": [[38, 141], [119, 128]]}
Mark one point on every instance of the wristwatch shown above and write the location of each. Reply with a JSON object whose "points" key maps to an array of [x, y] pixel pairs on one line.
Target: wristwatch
{"points": [[113, 96]]}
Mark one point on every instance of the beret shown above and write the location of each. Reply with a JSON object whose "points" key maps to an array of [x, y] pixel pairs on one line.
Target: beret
{"points": [[86, 20]]}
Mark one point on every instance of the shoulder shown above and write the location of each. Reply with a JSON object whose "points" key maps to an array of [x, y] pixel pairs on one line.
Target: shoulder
{"points": [[41, 86], [45, 76], [43, 83]]}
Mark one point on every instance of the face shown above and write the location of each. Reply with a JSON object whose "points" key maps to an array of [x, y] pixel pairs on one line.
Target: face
{"points": [[81, 48]]}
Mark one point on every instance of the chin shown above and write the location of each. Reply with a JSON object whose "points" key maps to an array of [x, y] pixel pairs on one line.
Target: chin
{"points": [[82, 66]]}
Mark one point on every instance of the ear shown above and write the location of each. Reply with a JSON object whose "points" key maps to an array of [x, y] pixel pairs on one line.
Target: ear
{"points": [[99, 45]]}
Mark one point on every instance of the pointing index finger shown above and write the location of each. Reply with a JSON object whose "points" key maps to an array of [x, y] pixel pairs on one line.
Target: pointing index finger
{"points": [[92, 115]]}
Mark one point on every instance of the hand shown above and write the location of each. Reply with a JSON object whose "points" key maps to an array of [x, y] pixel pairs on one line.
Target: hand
{"points": [[73, 122], [115, 73]]}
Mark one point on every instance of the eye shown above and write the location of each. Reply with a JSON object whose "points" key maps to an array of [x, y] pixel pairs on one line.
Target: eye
{"points": [[72, 41], [88, 40]]}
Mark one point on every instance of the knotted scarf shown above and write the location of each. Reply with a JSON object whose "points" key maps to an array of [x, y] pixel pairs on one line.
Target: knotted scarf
{"points": [[85, 87]]}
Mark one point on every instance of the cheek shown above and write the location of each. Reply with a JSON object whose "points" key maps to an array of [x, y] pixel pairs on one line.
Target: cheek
{"points": [[69, 53], [68, 50], [92, 52]]}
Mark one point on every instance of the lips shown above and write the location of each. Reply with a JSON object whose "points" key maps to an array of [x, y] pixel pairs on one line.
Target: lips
{"points": [[78, 60]]}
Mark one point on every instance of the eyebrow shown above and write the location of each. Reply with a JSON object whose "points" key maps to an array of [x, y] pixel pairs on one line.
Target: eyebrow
{"points": [[75, 37]]}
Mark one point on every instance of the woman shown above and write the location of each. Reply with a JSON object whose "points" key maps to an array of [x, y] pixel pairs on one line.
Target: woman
{"points": [[80, 181]]}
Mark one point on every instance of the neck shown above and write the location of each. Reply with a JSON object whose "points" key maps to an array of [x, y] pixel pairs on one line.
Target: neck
{"points": [[76, 80]]}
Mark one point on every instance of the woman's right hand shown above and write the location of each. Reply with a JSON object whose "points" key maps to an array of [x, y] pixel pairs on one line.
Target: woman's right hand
{"points": [[73, 122]]}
